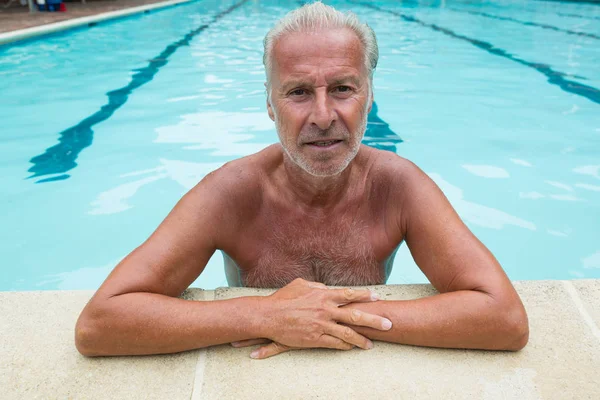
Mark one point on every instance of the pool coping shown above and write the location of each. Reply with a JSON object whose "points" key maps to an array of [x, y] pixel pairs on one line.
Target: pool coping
{"points": [[560, 361], [42, 30]]}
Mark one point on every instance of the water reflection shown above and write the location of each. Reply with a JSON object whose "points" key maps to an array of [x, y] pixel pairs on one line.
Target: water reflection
{"points": [[187, 174], [487, 171], [226, 133], [115, 200], [591, 170], [531, 195], [87, 278], [521, 162], [476, 213], [592, 261], [557, 233], [565, 197], [585, 186], [560, 185]]}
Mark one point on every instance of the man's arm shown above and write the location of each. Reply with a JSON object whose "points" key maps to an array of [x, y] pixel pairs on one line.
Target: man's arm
{"points": [[477, 307], [136, 310]]}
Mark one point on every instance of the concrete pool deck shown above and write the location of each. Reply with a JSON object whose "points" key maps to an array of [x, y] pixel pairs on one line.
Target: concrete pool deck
{"points": [[17, 23], [561, 361]]}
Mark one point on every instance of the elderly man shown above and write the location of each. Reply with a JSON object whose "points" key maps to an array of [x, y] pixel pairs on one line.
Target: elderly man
{"points": [[316, 209]]}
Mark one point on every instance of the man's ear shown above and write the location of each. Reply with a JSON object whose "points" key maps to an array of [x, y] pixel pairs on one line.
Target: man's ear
{"points": [[270, 111], [371, 100], [269, 108]]}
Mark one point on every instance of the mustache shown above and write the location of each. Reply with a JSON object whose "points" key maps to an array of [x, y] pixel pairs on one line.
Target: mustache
{"points": [[315, 133]]}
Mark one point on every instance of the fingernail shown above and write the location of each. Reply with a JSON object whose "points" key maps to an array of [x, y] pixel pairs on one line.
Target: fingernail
{"points": [[254, 354], [374, 296], [386, 324], [235, 344], [369, 345]]}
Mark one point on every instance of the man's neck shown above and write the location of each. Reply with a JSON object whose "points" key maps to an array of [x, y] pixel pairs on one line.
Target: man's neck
{"points": [[316, 193]]}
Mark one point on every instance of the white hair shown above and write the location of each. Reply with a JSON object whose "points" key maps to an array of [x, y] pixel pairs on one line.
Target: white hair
{"points": [[315, 17]]}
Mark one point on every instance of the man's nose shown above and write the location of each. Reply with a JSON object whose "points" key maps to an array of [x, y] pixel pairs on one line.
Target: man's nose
{"points": [[322, 114]]}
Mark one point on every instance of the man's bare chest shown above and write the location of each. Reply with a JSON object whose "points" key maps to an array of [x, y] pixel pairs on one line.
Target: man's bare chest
{"points": [[344, 253]]}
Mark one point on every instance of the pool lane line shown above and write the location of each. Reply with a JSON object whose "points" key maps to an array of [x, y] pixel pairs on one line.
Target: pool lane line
{"points": [[554, 77], [61, 158], [590, 2], [576, 16], [526, 23], [378, 133]]}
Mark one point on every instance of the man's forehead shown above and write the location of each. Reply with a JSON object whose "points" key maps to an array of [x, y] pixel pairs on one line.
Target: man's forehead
{"points": [[333, 42], [334, 53]]}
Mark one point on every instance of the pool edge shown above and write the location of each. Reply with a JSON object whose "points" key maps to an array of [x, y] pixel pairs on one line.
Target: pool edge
{"points": [[561, 357], [28, 33]]}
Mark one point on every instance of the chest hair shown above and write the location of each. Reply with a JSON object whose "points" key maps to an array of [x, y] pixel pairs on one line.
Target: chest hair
{"points": [[336, 255]]}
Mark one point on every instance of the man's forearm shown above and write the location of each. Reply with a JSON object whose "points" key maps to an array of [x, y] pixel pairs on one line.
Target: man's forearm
{"points": [[462, 319], [147, 323]]}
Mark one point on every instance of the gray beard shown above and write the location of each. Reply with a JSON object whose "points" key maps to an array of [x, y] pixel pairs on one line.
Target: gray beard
{"points": [[307, 166]]}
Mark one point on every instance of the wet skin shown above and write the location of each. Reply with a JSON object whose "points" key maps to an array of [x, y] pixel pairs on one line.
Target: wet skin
{"points": [[318, 208]]}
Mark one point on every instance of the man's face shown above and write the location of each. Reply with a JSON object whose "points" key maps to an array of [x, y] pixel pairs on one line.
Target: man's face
{"points": [[320, 98]]}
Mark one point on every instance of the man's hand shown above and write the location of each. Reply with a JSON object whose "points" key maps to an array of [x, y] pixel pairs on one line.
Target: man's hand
{"points": [[307, 315]]}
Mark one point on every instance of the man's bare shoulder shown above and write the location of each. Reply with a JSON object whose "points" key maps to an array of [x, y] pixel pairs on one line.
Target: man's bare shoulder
{"points": [[411, 193], [239, 181], [391, 169]]}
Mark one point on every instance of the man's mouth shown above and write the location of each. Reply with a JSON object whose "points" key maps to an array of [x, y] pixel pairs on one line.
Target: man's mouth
{"points": [[324, 143]]}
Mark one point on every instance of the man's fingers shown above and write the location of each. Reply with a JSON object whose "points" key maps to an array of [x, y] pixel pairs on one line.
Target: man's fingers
{"points": [[332, 342], [269, 350], [360, 318], [349, 336], [349, 295], [250, 342], [316, 285]]}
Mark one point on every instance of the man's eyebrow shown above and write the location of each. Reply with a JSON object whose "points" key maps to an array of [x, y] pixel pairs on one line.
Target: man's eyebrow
{"points": [[346, 79], [294, 83], [336, 81]]}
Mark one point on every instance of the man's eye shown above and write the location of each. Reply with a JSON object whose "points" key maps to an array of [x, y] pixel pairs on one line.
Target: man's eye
{"points": [[298, 92], [343, 89]]}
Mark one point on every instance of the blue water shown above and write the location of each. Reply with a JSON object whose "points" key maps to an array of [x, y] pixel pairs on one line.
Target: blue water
{"points": [[103, 129]]}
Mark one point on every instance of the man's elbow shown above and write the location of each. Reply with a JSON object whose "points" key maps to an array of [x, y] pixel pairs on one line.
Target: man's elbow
{"points": [[84, 340], [86, 337], [516, 329]]}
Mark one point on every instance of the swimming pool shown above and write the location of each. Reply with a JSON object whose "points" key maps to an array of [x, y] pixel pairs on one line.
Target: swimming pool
{"points": [[103, 129]]}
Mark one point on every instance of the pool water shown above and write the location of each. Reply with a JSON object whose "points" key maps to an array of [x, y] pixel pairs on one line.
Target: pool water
{"points": [[103, 129]]}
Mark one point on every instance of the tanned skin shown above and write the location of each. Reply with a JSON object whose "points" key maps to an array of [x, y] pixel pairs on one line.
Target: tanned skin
{"points": [[317, 209]]}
